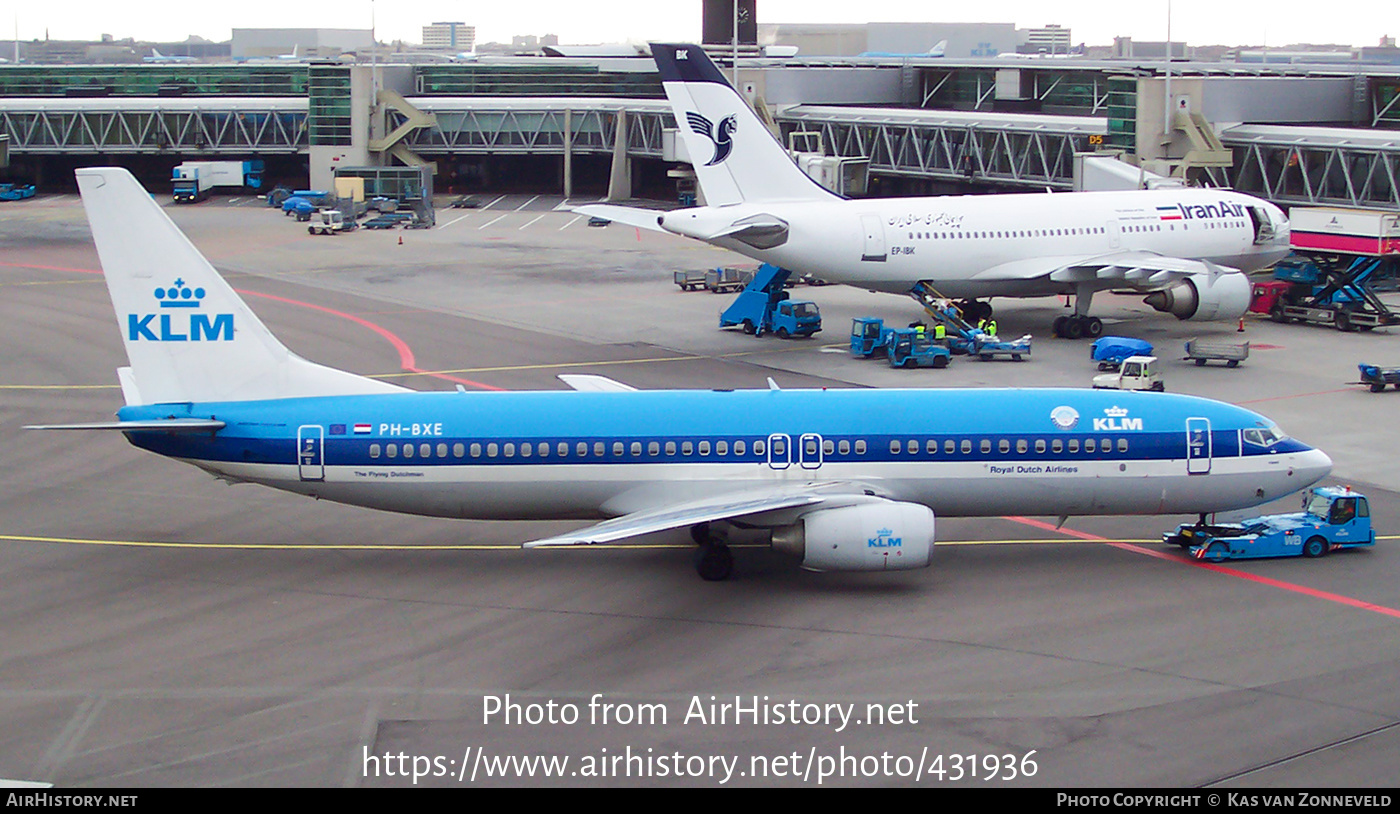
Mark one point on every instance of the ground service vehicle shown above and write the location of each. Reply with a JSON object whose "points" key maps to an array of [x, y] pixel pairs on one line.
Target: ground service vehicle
{"points": [[1231, 353], [1332, 518], [728, 278], [329, 222], [689, 279], [193, 180], [1378, 377], [1110, 351], [869, 336], [1136, 373], [765, 307], [910, 347], [16, 192]]}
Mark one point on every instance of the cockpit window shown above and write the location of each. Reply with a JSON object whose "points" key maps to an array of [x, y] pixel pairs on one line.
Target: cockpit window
{"points": [[1264, 436]]}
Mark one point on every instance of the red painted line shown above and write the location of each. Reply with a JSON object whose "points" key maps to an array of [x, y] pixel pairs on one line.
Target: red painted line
{"points": [[1219, 569], [406, 358]]}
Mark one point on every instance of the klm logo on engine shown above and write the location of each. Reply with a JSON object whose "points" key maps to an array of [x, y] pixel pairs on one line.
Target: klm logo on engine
{"points": [[1116, 420], [884, 538], [179, 319]]}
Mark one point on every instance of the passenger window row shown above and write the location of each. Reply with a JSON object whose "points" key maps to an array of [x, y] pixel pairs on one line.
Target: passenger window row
{"points": [[1003, 235], [619, 449]]}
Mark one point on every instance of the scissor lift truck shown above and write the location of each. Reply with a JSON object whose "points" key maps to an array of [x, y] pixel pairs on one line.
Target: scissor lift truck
{"points": [[765, 307], [1332, 518]]}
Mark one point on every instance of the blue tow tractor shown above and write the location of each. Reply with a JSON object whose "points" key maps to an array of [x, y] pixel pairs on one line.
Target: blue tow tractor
{"points": [[910, 347], [765, 307], [1332, 518], [869, 336]]}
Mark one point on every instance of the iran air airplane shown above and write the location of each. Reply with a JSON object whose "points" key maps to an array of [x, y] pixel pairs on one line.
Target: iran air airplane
{"points": [[845, 480], [1188, 249]]}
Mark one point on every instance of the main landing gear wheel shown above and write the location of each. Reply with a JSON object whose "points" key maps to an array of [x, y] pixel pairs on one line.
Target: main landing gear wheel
{"points": [[713, 562], [1077, 327]]}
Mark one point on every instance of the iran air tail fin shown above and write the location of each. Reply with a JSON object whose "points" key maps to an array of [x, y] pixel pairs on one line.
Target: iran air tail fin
{"points": [[188, 336], [736, 158]]}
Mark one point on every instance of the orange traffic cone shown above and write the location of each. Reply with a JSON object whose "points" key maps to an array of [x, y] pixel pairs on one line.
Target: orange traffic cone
{"points": [[1241, 328], [1241, 321]]}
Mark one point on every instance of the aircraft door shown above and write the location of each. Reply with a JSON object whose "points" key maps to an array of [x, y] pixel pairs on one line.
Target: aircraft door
{"points": [[874, 231], [311, 462], [1115, 235], [779, 451], [1198, 445], [810, 451]]}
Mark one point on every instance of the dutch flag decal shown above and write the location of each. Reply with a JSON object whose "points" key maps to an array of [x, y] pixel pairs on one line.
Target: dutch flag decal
{"points": [[363, 429]]}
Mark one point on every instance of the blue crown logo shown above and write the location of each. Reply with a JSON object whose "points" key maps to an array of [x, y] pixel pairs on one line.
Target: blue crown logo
{"points": [[179, 295], [884, 532]]}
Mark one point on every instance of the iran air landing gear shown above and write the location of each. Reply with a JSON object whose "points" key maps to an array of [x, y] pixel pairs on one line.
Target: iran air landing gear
{"points": [[1081, 324], [713, 561]]}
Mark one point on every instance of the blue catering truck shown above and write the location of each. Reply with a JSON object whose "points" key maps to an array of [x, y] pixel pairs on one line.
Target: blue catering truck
{"points": [[192, 180], [1333, 517]]}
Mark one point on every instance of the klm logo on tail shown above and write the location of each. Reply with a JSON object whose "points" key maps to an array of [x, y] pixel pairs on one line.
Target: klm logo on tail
{"points": [[721, 137], [195, 327]]}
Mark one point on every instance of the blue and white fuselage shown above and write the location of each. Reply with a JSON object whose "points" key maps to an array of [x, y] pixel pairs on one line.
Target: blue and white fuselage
{"points": [[591, 455]]}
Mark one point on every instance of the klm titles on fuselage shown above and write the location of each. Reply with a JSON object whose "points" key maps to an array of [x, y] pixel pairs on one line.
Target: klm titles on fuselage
{"points": [[183, 323]]}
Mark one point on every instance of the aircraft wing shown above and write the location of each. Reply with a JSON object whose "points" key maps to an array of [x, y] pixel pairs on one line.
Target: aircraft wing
{"points": [[154, 425], [628, 215], [1136, 269], [728, 506]]}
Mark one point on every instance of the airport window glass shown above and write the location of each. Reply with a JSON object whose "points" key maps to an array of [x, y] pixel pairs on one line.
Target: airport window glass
{"points": [[526, 449], [912, 446], [950, 446], [1122, 445], [636, 448], [1040, 445], [895, 447], [759, 446], [508, 450], [828, 447], [1090, 445], [408, 450], [653, 448], [670, 447], [598, 449], [374, 450], [1022, 445], [476, 450], [721, 447], [704, 447], [459, 450], [392, 450], [845, 447], [931, 447], [1074, 445], [492, 450], [740, 447], [966, 446], [442, 450], [1057, 446], [687, 448], [985, 446], [619, 448], [1003, 446]]}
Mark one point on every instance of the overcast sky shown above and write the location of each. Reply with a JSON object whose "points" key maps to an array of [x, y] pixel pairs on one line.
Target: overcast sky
{"points": [[1198, 22]]}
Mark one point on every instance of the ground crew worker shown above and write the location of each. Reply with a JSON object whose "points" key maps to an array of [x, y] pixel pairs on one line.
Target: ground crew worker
{"points": [[939, 332], [919, 331], [991, 327]]}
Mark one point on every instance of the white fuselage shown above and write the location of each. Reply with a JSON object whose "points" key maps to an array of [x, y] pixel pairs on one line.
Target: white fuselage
{"points": [[969, 245]]}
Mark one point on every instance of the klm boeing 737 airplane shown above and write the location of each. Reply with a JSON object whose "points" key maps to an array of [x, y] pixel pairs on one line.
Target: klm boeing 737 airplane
{"points": [[1187, 249], [843, 479]]}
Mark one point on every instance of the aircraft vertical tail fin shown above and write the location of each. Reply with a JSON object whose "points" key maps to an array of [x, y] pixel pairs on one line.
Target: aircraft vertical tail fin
{"points": [[188, 335], [736, 158]]}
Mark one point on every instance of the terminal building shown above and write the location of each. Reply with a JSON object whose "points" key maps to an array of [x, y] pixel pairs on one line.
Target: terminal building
{"points": [[1291, 133]]}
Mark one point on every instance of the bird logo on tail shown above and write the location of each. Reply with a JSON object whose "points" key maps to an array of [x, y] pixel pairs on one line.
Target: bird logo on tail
{"points": [[721, 136]]}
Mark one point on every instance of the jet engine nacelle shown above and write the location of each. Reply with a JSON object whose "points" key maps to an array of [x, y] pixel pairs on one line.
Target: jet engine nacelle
{"points": [[1226, 297], [868, 537]]}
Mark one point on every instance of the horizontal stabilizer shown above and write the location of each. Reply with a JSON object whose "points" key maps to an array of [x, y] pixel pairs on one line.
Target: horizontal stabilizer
{"points": [[631, 216], [156, 425]]}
